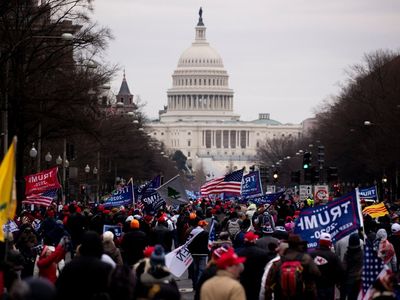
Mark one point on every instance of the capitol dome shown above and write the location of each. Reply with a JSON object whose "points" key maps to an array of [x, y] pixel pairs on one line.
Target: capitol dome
{"points": [[200, 55], [200, 84]]}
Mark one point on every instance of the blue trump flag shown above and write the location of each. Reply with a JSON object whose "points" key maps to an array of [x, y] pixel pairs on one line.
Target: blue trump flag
{"points": [[339, 218], [152, 202], [122, 196], [368, 193], [149, 188], [251, 184], [264, 199]]}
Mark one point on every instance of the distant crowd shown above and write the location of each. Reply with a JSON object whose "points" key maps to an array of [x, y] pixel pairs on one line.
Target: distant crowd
{"points": [[239, 252]]}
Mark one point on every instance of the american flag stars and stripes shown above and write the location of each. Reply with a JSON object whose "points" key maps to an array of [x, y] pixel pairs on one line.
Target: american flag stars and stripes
{"points": [[211, 234], [45, 198], [372, 266], [230, 184]]}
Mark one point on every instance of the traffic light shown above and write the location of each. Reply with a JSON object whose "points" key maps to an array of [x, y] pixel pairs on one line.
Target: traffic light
{"points": [[307, 175], [307, 160], [295, 176], [275, 176], [332, 174]]}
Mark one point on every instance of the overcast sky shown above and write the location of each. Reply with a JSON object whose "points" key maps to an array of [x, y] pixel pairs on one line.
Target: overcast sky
{"points": [[284, 57]]}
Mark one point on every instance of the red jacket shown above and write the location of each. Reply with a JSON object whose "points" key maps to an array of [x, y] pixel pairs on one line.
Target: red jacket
{"points": [[48, 264]]}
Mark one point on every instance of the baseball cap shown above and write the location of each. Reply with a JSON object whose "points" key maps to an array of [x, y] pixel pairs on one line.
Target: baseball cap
{"points": [[228, 259], [395, 228], [250, 236]]}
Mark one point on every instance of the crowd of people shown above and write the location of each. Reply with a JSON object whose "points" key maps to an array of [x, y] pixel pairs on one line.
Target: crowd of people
{"points": [[239, 251]]}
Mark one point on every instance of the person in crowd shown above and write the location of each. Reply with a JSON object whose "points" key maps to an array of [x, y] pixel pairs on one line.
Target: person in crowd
{"points": [[198, 247], [133, 244], [156, 277], [85, 276], [394, 239], [76, 225], [32, 289], [48, 260], [330, 267], [298, 268], [352, 266], [110, 249], [211, 268], [161, 234], [256, 259], [225, 284], [27, 243], [122, 283], [385, 249]]}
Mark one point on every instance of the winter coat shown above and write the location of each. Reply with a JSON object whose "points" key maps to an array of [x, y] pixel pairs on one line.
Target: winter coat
{"points": [[111, 250], [250, 278], [48, 264], [132, 246], [199, 245], [352, 266], [232, 289], [329, 265]]}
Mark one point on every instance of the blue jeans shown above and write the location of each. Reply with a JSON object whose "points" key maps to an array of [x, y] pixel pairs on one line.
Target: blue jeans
{"points": [[199, 265]]}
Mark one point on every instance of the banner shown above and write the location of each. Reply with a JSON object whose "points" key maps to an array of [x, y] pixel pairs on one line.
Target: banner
{"points": [[123, 196], [339, 218], [368, 193], [149, 188], [152, 202], [115, 229], [179, 259], [173, 192], [251, 184], [264, 199], [40, 182]]}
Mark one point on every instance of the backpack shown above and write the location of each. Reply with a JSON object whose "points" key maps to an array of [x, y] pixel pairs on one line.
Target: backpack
{"points": [[267, 225], [290, 278], [233, 228]]}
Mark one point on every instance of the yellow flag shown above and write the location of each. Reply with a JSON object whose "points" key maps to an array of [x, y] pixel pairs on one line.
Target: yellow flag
{"points": [[8, 202], [376, 210]]}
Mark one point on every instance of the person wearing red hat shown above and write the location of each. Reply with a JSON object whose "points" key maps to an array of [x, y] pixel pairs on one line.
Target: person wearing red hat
{"points": [[225, 284], [256, 259]]}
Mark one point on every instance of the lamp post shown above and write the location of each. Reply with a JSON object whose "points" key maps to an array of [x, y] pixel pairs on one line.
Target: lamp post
{"points": [[87, 171], [95, 173], [48, 157], [33, 154]]}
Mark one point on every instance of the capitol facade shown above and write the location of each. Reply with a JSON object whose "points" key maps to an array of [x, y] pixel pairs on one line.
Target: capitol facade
{"points": [[199, 118]]}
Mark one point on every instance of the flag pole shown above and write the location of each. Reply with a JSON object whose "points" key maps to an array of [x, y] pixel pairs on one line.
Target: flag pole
{"points": [[359, 209]]}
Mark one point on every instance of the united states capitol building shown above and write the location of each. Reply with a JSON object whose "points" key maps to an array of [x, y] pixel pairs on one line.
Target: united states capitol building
{"points": [[199, 118]]}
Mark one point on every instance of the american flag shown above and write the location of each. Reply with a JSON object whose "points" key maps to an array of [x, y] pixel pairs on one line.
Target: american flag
{"points": [[230, 184], [372, 267], [211, 234], [45, 198]]}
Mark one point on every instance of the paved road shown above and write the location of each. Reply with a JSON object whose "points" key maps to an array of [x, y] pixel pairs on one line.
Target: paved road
{"points": [[185, 287]]}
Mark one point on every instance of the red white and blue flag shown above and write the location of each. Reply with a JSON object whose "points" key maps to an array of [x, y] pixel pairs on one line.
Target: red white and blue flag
{"points": [[211, 234], [44, 198], [229, 184]]}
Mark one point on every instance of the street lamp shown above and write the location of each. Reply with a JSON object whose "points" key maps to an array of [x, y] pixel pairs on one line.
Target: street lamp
{"points": [[59, 160], [87, 169], [33, 154], [48, 157]]}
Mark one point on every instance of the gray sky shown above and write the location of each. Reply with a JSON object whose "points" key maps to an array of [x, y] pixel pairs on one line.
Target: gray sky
{"points": [[283, 56]]}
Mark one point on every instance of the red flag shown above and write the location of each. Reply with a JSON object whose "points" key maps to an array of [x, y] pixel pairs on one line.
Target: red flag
{"points": [[40, 182]]}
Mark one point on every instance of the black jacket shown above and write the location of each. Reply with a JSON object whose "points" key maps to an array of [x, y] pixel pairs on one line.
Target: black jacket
{"points": [[199, 245], [329, 265]]}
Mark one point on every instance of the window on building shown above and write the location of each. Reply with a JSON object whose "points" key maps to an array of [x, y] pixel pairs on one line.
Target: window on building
{"points": [[233, 139], [189, 143], [189, 133], [208, 138], [155, 133], [226, 138], [188, 154], [218, 138], [243, 139], [258, 144], [162, 133]]}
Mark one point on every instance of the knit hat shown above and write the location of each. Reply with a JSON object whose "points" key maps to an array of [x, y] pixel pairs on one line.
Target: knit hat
{"points": [[325, 239], [202, 223], [192, 216], [381, 234], [135, 224], [108, 236], [395, 228], [354, 241], [158, 256]]}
